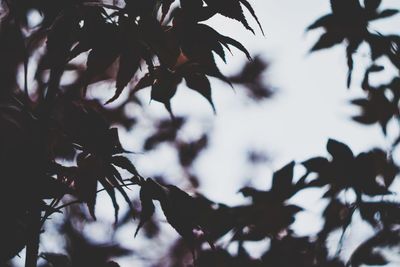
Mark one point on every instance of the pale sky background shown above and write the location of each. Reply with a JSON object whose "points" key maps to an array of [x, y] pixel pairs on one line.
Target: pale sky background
{"points": [[310, 106]]}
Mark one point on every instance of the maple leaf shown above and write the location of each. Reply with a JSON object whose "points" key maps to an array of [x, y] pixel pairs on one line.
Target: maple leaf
{"points": [[348, 21]]}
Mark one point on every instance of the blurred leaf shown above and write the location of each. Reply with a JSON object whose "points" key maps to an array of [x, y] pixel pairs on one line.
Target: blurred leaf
{"points": [[327, 40], [124, 163], [282, 181], [339, 150]]}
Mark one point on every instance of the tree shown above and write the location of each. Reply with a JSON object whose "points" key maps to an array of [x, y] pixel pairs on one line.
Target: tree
{"points": [[60, 148]]}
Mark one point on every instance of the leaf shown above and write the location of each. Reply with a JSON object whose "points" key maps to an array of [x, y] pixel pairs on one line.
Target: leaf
{"points": [[375, 258], [52, 188], [61, 37], [346, 8], [231, 9], [146, 81], [89, 169], [336, 215], [376, 109], [114, 142], [124, 163], [372, 5], [188, 152], [367, 167], [387, 13], [111, 193], [77, 50], [365, 119], [381, 213], [327, 40], [113, 177], [217, 48], [282, 180], [350, 50], [362, 102], [211, 36], [164, 88], [213, 70], [375, 68], [98, 61], [200, 84], [148, 207], [317, 164], [227, 40], [380, 45], [166, 132], [364, 253], [179, 209], [129, 63], [252, 12], [324, 21], [339, 150]]}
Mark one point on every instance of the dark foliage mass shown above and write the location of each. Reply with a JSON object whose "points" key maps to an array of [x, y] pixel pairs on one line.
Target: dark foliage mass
{"points": [[59, 149]]}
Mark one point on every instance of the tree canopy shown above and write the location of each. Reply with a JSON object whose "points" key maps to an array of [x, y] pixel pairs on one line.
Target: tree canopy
{"points": [[60, 148]]}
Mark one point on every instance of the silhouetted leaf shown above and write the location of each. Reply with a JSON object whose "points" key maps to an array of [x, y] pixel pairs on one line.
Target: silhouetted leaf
{"points": [[128, 64], [200, 84], [124, 163], [189, 151], [111, 193], [324, 21], [327, 40], [336, 215], [372, 5], [146, 197], [233, 9], [164, 88], [98, 61], [339, 150], [282, 180], [89, 169], [380, 213], [387, 13], [366, 254], [317, 164], [377, 108]]}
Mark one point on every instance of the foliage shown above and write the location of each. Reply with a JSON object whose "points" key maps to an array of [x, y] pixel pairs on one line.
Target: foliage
{"points": [[58, 145]]}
